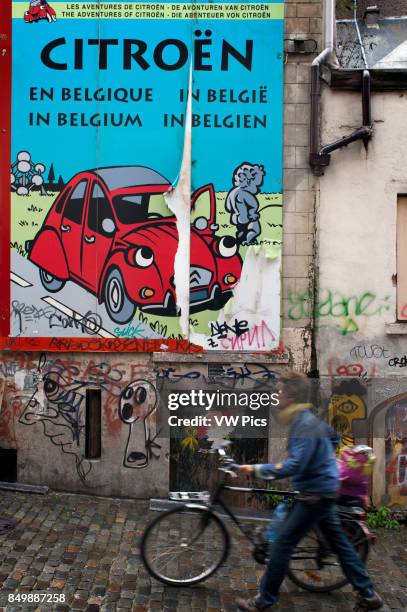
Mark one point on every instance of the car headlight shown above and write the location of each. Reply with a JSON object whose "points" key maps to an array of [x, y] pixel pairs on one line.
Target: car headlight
{"points": [[142, 257], [201, 223], [226, 246]]}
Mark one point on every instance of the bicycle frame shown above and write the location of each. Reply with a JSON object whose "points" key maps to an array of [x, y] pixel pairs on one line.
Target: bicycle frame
{"points": [[218, 501]]}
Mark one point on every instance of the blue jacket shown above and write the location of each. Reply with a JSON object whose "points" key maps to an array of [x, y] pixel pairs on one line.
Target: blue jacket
{"points": [[311, 463]]}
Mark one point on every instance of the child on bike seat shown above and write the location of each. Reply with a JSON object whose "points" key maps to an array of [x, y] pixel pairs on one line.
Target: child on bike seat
{"points": [[355, 465]]}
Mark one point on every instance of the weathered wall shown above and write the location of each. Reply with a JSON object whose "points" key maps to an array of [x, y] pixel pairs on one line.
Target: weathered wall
{"points": [[43, 416], [48, 433], [356, 304], [302, 19]]}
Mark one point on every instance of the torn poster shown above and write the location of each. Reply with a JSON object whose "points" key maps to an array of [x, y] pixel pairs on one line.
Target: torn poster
{"points": [[237, 179], [98, 129]]}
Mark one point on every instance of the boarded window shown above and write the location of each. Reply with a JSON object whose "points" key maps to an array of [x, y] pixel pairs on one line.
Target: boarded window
{"points": [[402, 258], [93, 425]]}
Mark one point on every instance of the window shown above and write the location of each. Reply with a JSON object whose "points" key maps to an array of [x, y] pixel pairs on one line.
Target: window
{"points": [[8, 464], [61, 201], [100, 211], [131, 208], [93, 424], [74, 206], [402, 258]]}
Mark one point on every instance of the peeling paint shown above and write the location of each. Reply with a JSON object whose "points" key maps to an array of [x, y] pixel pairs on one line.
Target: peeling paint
{"points": [[179, 201]]}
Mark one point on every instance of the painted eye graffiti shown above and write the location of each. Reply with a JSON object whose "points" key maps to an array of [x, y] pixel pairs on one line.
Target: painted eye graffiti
{"points": [[140, 395], [128, 393], [51, 388], [347, 407], [132, 397], [137, 401]]}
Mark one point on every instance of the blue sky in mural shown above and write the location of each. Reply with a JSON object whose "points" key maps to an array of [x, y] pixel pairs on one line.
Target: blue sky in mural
{"points": [[215, 151]]}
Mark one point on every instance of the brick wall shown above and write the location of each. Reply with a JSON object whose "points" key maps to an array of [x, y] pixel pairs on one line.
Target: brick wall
{"points": [[302, 18]]}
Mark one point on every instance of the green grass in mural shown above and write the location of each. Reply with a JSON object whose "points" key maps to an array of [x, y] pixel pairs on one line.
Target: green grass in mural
{"points": [[28, 214]]}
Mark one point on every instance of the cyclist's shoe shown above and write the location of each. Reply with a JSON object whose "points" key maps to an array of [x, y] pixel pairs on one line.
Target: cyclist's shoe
{"points": [[251, 605], [368, 600]]}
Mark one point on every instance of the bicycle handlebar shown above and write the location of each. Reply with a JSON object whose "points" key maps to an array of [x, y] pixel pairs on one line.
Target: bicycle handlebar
{"points": [[228, 466]]}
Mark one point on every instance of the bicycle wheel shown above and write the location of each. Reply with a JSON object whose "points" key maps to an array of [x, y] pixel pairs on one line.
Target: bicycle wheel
{"points": [[314, 567], [184, 546]]}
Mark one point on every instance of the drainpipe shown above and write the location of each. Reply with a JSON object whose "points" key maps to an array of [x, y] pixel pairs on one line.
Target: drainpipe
{"points": [[314, 154], [319, 157]]}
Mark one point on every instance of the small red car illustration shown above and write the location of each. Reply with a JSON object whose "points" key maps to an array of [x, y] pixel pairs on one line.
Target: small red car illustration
{"points": [[39, 9], [110, 231]]}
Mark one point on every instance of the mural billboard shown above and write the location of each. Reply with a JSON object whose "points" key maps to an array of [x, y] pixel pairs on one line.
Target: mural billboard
{"points": [[106, 100]]}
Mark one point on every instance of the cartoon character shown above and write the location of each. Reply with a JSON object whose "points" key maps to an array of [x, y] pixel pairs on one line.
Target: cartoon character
{"points": [[111, 232], [242, 204], [39, 9], [346, 405], [137, 406], [57, 404]]}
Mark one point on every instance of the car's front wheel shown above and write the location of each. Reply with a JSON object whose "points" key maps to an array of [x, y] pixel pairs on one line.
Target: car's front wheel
{"points": [[51, 283], [118, 305]]}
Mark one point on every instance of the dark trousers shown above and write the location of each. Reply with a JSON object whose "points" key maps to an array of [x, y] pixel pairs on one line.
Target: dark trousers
{"points": [[302, 517]]}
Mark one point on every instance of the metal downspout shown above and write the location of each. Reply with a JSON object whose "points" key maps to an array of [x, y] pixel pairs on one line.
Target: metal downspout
{"points": [[319, 157]]}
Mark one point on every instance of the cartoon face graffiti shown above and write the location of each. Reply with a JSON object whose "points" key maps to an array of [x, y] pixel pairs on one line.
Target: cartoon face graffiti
{"points": [[137, 405], [56, 404], [346, 405]]}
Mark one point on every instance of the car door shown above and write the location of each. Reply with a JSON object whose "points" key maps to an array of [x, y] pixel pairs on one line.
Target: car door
{"points": [[71, 227], [98, 235]]}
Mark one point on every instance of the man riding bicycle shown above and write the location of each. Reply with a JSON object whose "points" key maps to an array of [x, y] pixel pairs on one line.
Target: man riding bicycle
{"points": [[312, 466]]}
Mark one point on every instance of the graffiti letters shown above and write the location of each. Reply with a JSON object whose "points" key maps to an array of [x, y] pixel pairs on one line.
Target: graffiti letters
{"points": [[398, 362], [347, 310], [372, 351]]}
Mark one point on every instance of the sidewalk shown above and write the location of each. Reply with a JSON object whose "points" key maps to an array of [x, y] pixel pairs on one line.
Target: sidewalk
{"points": [[87, 548]]}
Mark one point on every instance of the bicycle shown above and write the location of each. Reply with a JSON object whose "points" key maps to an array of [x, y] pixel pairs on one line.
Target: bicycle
{"points": [[187, 544]]}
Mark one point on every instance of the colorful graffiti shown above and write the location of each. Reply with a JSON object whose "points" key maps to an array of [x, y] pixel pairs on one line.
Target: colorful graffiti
{"points": [[48, 396], [396, 453], [346, 405], [347, 311]]}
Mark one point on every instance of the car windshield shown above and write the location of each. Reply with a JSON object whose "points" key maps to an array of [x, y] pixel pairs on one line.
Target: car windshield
{"points": [[133, 208]]}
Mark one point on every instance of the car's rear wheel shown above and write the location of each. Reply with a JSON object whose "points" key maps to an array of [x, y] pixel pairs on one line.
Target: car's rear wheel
{"points": [[50, 282], [119, 306]]}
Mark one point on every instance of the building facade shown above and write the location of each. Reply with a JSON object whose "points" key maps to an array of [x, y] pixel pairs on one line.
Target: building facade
{"points": [[341, 314]]}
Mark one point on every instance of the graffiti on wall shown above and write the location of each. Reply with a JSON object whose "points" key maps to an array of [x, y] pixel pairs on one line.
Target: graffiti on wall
{"points": [[94, 240], [349, 312], [58, 406], [396, 453], [50, 395], [137, 405], [346, 405]]}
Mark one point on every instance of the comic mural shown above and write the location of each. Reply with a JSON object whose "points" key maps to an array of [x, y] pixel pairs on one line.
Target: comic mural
{"points": [[105, 98]]}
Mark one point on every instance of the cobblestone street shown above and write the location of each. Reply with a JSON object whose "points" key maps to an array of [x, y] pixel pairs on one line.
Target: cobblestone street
{"points": [[87, 549]]}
